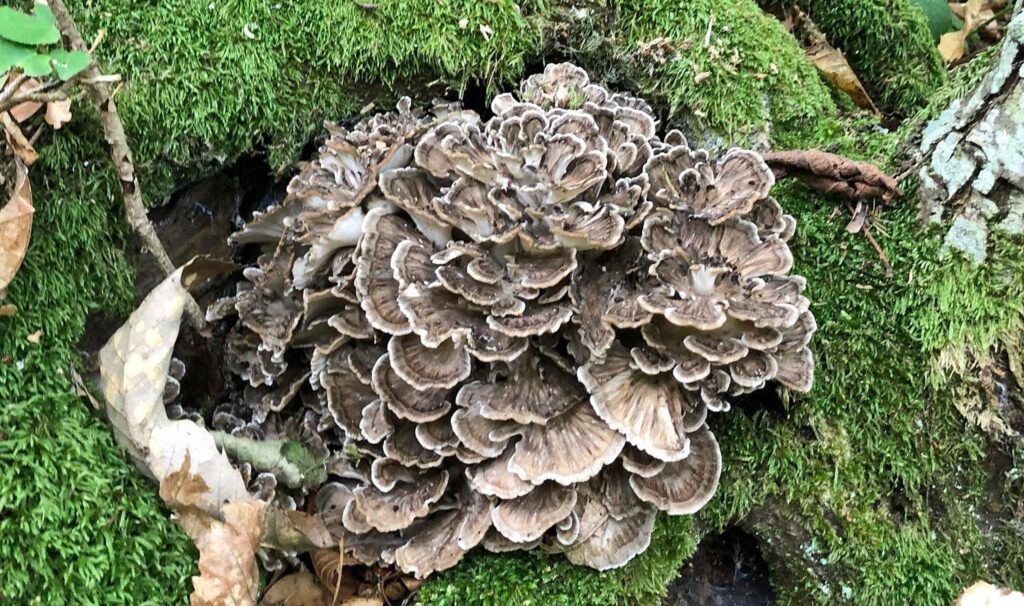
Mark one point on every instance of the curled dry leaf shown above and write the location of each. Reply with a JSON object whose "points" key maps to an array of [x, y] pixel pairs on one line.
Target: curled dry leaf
{"points": [[15, 227], [133, 370], [228, 572], [16, 139], [829, 173], [951, 45], [831, 62]]}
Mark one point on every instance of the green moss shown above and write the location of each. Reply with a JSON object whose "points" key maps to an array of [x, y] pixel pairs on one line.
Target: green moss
{"points": [[756, 73], [888, 44], [78, 524], [200, 90], [535, 579]]}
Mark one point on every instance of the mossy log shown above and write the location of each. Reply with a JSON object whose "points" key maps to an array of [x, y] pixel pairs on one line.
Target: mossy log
{"points": [[872, 489]]}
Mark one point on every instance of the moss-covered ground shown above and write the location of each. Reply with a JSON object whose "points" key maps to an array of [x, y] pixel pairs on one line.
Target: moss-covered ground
{"points": [[876, 463]]}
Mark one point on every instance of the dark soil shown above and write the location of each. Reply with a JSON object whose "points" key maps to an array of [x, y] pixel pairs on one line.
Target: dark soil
{"points": [[727, 570]]}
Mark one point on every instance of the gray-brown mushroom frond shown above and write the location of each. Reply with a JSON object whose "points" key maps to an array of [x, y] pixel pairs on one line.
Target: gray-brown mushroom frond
{"points": [[511, 333]]}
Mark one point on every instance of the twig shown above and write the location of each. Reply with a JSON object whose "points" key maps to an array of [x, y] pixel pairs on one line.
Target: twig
{"points": [[13, 87], [135, 209], [878, 249]]}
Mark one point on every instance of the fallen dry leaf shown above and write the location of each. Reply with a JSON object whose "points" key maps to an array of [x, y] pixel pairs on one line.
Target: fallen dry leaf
{"points": [[228, 572], [16, 140], [329, 565], [35, 338], [829, 173], [836, 68], [296, 531], [296, 589], [15, 227], [8, 310], [860, 215], [133, 371], [951, 44], [58, 113], [81, 389], [24, 111]]}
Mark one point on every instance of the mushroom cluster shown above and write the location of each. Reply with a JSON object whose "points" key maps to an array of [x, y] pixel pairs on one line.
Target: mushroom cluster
{"points": [[509, 332]]}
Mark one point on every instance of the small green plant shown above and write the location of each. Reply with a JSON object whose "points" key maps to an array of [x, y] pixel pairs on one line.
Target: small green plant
{"points": [[27, 42]]}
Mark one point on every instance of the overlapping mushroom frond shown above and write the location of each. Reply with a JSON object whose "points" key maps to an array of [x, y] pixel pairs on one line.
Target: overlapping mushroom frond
{"points": [[509, 332]]}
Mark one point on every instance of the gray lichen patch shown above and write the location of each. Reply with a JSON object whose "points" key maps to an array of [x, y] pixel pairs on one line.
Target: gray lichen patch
{"points": [[973, 177]]}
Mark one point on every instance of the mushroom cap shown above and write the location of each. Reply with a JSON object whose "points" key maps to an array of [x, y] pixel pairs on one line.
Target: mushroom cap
{"points": [[683, 487], [404, 400], [443, 541], [570, 448], [534, 390], [610, 543], [403, 445], [647, 409], [493, 478], [424, 367], [528, 517], [375, 283], [399, 507], [479, 434]]}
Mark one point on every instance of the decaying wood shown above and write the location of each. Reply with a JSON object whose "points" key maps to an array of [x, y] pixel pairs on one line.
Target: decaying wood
{"points": [[832, 174], [113, 129]]}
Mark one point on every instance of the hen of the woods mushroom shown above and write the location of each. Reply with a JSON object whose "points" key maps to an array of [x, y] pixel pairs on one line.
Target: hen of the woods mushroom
{"points": [[508, 333]]}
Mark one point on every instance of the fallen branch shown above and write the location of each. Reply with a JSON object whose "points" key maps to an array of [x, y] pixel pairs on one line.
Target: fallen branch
{"points": [[832, 174], [113, 130]]}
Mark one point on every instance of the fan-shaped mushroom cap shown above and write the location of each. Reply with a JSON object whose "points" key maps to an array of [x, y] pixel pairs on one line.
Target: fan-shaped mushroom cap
{"points": [[413, 190], [496, 542], [480, 434], [445, 540], [685, 486], [612, 543], [562, 85], [534, 390], [424, 367], [753, 370], [374, 425], [404, 400], [612, 487], [648, 409], [570, 448], [640, 463], [438, 436], [331, 499], [347, 397], [403, 446], [375, 282], [536, 320], [681, 179], [528, 517], [493, 478], [386, 473], [325, 241], [795, 369], [396, 509]]}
